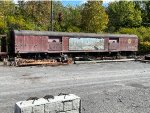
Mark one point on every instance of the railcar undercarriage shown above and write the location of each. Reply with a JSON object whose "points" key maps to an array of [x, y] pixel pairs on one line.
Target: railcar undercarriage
{"points": [[56, 59]]}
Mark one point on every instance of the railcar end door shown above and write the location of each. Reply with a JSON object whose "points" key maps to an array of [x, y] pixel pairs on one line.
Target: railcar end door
{"points": [[3, 44]]}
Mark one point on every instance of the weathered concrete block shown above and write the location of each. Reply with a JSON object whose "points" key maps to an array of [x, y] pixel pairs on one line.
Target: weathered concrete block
{"points": [[38, 109], [67, 105], [50, 108], [23, 110], [61, 112], [60, 104], [53, 107], [17, 109], [51, 112], [22, 107], [76, 104], [26, 110], [73, 111]]}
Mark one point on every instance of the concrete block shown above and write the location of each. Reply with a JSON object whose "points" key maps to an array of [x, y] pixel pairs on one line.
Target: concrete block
{"points": [[26, 110], [61, 112], [17, 109], [53, 107], [51, 112], [60, 104], [73, 111], [50, 108], [23, 110], [76, 104], [22, 107], [67, 105], [38, 109]]}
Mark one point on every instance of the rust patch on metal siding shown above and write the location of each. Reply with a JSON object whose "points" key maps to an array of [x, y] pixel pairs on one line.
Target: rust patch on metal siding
{"points": [[28, 44], [19, 43], [106, 44], [55, 46], [65, 43], [128, 44]]}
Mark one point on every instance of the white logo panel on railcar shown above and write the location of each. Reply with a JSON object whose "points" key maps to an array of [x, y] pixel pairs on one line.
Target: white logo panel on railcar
{"points": [[86, 44]]}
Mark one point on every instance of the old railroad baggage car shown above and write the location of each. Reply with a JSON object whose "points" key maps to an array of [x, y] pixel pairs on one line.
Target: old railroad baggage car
{"points": [[48, 43]]}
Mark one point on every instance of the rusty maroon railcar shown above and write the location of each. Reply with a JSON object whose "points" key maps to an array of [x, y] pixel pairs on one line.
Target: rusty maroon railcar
{"points": [[47, 42], [3, 47]]}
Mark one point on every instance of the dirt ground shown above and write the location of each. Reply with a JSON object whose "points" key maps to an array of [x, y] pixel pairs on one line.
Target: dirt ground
{"points": [[118, 87]]}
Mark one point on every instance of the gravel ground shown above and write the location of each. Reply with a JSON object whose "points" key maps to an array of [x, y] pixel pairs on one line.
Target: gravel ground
{"points": [[118, 87]]}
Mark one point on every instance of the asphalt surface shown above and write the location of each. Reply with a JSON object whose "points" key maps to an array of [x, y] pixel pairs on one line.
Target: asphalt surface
{"points": [[118, 87]]}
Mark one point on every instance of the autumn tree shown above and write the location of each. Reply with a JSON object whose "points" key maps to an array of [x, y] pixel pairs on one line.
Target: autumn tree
{"points": [[123, 14], [37, 13], [94, 17], [5, 14]]}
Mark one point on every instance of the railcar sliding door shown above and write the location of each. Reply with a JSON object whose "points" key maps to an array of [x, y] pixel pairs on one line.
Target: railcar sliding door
{"points": [[31, 44], [55, 44], [113, 44]]}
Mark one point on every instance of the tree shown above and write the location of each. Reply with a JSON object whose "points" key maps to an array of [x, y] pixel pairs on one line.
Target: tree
{"points": [[4, 12], [94, 17], [37, 13], [57, 9], [124, 14], [146, 12], [71, 19]]}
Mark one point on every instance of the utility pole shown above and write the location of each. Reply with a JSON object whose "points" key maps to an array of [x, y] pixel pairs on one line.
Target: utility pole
{"points": [[51, 15]]}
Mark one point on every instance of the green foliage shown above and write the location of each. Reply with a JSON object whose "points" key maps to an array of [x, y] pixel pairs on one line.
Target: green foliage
{"points": [[144, 47], [2, 25], [71, 19], [123, 14], [73, 29], [94, 17], [145, 8], [37, 12], [4, 12], [142, 32]]}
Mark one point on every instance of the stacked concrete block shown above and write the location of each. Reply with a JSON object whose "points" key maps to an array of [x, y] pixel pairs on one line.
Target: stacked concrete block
{"points": [[60, 104], [53, 107], [68, 105]]}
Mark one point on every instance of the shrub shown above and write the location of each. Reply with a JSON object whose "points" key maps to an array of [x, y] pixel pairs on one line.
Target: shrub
{"points": [[144, 47]]}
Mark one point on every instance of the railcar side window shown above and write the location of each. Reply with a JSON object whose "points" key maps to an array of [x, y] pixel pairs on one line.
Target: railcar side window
{"points": [[54, 41]]}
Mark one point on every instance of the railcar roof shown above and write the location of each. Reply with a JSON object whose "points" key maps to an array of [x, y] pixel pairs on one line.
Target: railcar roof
{"points": [[68, 34]]}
